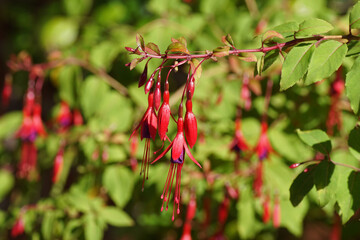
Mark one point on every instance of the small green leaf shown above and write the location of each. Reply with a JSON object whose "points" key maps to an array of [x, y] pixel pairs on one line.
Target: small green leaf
{"points": [[269, 35], [259, 66], [302, 184], [93, 230], [313, 26], [135, 62], [295, 65], [119, 182], [354, 142], [287, 29], [354, 18], [7, 182], [103, 54], [316, 139], [67, 84], [221, 51], [322, 177], [248, 57], [177, 47], [152, 48], [140, 41], [326, 59], [270, 58], [352, 86], [227, 40], [10, 123], [116, 217]]}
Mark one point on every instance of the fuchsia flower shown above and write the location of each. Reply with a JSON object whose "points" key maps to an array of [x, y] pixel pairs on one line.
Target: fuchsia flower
{"points": [[263, 148], [178, 147], [190, 124], [38, 124], [258, 181], [186, 235], [148, 128], [238, 144], [77, 118], [18, 227], [164, 114], [266, 210], [276, 213], [64, 117], [58, 165]]}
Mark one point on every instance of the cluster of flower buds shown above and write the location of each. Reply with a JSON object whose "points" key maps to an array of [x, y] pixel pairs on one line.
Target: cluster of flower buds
{"points": [[157, 116]]}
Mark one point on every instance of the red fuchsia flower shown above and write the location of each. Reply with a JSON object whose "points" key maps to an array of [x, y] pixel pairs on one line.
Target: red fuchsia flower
{"points": [[164, 114], [178, 148], [238, 144], [148, 128], [18, 227], [77, 118], [58, 165], [258, 181], [266, 210], [186, 235], [276, 213], [27, 131], [64, 117], [264, 147], [157, 95], [190, 124], [38, 124], [28, 159]]}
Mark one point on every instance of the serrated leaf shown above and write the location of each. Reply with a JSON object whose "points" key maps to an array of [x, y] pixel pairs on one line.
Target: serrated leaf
{"points": [[316, 139], [313, 26], [152, 48], [354, 18], [116, 217], [323, 173], [119, 182], [354, 142], [140, 41], [287, 29], [352, 86], [326, 59], [301, 185], [177, 47], [221, 51], [295, 65]]}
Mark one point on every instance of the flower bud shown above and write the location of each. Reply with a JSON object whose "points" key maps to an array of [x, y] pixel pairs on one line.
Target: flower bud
{"points": [[58, 165], [157, 96], [190, 125], [143, 76], [148, 85]]}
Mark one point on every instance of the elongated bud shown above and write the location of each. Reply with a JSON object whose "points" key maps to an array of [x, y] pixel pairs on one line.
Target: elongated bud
{"points": [[266, 210], [77, 118], [164, 116], [191, 89], [18, 227], [143, 76], [224, 210], [58, 166], [276, 213], [157, 96], [190, 125], [129, 49], [148, 85]]}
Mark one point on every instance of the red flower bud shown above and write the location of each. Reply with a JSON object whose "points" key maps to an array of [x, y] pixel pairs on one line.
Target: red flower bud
{"points": [[143, 76], [190, 125], [38, 124], [164, 116], [148, 85], [266, 209], [276, 214], [58, 165], [77, 118], [191, 89], [18, 227], [157, 96]]}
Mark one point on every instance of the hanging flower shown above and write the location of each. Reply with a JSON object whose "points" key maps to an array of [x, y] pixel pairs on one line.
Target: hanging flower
{"points": [[18, 227], [58, 165], [238, 144], [263, 147], [164, 114], [190, 124], [64, 117], [148, 128], [191, 210]]}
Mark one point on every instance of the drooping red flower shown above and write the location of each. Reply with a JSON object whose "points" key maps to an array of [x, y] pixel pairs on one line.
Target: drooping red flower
{"points": [[164, 114], [276, 213], [258, 181], [266, 210], [77, 118], [238, 144], [18, 227], [157, 95], [28, 159], [38, 124], [64, 117], [58, 165], [190, 124], [27, 131], [263, 147], [191, 210], [148, 128]]}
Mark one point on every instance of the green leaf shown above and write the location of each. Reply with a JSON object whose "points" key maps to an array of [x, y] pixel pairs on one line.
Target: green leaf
{"points": [[10, 123], [354, 142], [140, 42], [194, 64], [73, 229], [227, 40], [116, 217], [322, 178], [296, 214], [102, 55], [352, 86], [355, 16], [47, 225], [59, 32], [93, 230], [270, 35], [270, 58], [326, 59], [316, 139], [119, 182], [177, 47], [221, 51], [67, 84], [287, 29], [295, 65], [313, 26], [302, 184], [349, 197], [152, 48], [7, 183]]}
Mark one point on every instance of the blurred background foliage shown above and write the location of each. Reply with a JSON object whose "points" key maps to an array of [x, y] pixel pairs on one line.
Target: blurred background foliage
{"points": [[98, 195]]}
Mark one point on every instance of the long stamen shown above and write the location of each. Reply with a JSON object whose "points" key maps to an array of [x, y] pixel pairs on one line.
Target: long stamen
{"points": [[172, 181]]}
